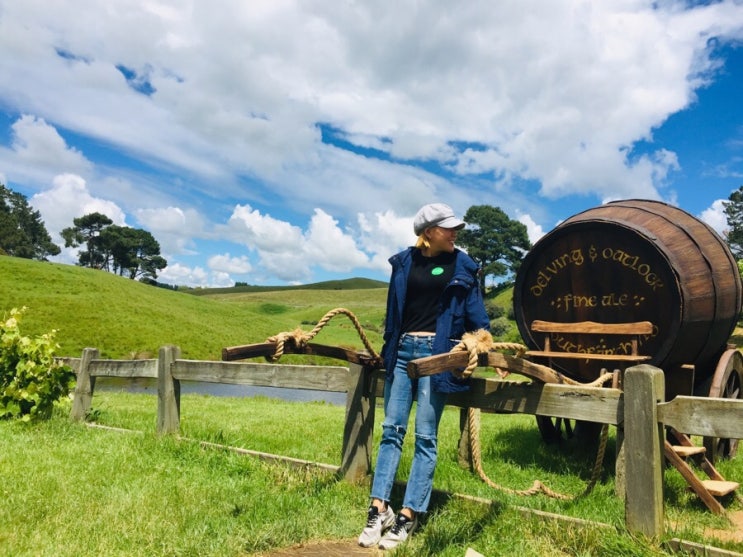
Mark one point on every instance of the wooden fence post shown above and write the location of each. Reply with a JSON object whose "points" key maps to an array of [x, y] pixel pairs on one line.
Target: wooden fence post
{"points": [[83, 386], [168, 391], [356, 454], [644, 388]]}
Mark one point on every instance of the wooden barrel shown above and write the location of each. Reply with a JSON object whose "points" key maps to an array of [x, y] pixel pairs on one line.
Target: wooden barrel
{"points": [[634, 260]]}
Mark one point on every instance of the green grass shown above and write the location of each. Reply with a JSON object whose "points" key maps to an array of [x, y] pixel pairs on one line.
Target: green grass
{"points": [[125, 318], [69, 489]]}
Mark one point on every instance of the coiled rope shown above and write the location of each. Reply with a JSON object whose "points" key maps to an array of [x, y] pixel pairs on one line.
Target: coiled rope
{"points": [[476, 343], [300, 338], [481, 342]]}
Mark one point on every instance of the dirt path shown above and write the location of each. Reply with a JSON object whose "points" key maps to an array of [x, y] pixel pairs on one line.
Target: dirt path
{"points": [[733, 534], [331, 548]]}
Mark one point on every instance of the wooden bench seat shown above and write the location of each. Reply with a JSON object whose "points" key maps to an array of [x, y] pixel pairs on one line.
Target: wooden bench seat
{"points": [[588, 356], [633, 330]]}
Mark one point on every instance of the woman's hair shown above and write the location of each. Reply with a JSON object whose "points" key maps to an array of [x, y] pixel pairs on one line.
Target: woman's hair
{"points": [[422, 242]]}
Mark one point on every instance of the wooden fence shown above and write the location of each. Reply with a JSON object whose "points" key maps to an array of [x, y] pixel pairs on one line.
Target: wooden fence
{"points": [[638, 410]]}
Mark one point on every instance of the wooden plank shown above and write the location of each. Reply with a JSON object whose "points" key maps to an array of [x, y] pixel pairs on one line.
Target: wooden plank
{"points": [[84, 386], [73, 363], [685, 452], [358, 432], [561, 401], [693, 549], [168, 392], [268, 349], [294, 462], [720, 488], [706, 416], [124, 368], [643, 450], [694, 483], [700, 459], [592, 327], [319, 378], [588, 356], [459, 360]]}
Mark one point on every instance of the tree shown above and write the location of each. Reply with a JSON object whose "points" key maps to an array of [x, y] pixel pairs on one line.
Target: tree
{"points": [[133, 251], [22, 232], [496, 242], [734, 214], [87, 231], [118, 249]]}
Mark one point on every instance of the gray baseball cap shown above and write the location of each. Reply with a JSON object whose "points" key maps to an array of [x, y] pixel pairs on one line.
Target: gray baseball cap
{"points": [[435, 214]]}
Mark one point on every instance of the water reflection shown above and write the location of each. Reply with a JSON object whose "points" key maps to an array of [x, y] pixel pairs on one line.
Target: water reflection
{"points": [[149, 386]]}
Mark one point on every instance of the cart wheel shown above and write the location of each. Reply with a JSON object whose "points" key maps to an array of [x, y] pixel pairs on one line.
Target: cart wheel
{"points": [[726, 383], [558, 430]]}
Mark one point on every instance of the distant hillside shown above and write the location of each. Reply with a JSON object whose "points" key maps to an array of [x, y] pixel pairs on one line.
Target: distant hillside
{"points": [[345, 284], [125, 318]]}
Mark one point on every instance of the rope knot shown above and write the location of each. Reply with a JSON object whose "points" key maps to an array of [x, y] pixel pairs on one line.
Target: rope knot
{"points": [[297, 337], [481, 342], [301, 339], [475, 343]]}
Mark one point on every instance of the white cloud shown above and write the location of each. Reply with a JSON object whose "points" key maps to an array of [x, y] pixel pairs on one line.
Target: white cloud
{"points": [[533, 230], [556, 98], [715, 217], [230, 265], [263, 232], [173, 227], [37, 153], [383, 234], [202, 121], [184, 275], [69, 198], [329, 247]]}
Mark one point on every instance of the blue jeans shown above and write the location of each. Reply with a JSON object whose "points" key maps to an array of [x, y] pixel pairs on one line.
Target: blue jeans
{"points": [[398, 402]]}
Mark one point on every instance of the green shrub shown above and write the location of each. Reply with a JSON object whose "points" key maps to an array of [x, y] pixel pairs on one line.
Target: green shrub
{"points": [[494, 310], [499, 327], [31, 381]]}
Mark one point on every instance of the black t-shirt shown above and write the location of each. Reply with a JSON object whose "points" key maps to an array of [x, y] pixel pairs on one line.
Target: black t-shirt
{"points": [[426, 282]]}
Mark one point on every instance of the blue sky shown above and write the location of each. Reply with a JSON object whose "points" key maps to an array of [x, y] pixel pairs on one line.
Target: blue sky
{"points": [[287, 142]]}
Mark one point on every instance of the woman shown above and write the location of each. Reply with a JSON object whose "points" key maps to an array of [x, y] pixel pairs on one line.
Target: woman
{"points": [[433, 298]]}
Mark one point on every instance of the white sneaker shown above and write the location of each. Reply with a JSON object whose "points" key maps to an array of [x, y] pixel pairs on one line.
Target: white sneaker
{"points": [[403, 527], [376, 524]]}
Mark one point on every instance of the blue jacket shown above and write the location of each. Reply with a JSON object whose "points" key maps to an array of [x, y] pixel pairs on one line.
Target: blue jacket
{"points": [[461, 310]]}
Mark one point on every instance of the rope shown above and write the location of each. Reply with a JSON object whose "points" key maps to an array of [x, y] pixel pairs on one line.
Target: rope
{"points": [[481, 342], [300, 339]]}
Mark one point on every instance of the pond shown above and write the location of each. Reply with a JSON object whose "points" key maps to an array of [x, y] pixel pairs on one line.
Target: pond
{"points": [[149, 386]]}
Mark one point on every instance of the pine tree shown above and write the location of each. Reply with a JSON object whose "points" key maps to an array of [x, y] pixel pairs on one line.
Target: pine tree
{"points": [[22, 232], [495, 241], [734, 213]]}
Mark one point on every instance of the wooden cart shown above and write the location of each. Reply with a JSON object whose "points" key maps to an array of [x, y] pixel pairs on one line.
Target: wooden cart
{"points": [[626, 262]]}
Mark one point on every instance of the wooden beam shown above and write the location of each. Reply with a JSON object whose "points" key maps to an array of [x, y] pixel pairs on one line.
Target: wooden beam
{"points": [[124, 368], [459, 360], [358, 432], [707, 416], [168, 392], [592, 327], [588, 356], [643, 448], [594, 404], [84, 386], [268, 349], [319, 378]]}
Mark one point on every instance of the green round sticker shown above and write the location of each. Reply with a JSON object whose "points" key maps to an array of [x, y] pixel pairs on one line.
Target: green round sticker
{"points": [[436, 271]]}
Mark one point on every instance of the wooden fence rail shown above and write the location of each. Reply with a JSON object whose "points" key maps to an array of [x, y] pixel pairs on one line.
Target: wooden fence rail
{"points": [[639, 410]]}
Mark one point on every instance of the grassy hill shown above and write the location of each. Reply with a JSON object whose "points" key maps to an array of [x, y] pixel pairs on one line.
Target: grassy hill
{"points": [[126, 319], [346, 284]]}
